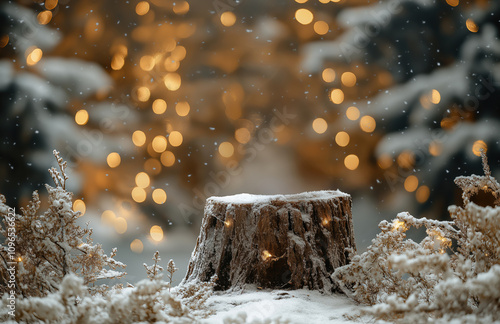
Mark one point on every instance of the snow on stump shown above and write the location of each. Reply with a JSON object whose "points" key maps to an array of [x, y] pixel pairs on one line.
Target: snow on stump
{"points": [[281, 241]]}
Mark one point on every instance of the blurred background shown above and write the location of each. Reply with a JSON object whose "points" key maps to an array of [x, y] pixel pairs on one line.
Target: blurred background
{"points": [[159, 104]]}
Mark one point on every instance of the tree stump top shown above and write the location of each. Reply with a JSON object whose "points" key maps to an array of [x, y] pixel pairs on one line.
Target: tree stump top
{"points": [[252, 199]]}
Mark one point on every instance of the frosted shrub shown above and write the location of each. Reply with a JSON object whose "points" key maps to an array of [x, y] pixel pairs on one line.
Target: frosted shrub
{"points": [[453, 273]]}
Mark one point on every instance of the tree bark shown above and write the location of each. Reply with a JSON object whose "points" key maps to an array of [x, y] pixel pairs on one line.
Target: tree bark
{"points": [[281, 241]]}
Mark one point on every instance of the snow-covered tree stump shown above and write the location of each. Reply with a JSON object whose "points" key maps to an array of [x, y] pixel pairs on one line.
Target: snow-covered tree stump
{"points": [[281, 241]]}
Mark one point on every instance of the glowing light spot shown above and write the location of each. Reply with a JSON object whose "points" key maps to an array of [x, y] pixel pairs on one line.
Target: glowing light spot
{"points": [[143, 94], [397, 224], [117, 62], [348, 79], [304, 16], [423, 194], [138, 138], [159, 144], [147, 63], [152, 166], [179, 53], [171, 65], [328, 75], [159, 196], [228, 223], [181, 8], [406, 159], [138, 194], [471, 25], [321, 27], [435, 96], [142, 8], [172, 81], [34, 57], [301, 1], [325, 221], [342, 139], [226, 149], [384, 161], [182, 108], [435, 148], [113, 159], [367, 124], [478, 146], [266, 255], [228, 18], [81, 117], [50, 4], [167, 158], [44, 17], [352, 113], [411, 183], [120, 224], [108, 217], [136, 246], [337, 96], [156, 233], [242, 135], [351, 162], [159, 106], [453, 3], [79, 206], [319, 125], [175, 138], [142, 180]]}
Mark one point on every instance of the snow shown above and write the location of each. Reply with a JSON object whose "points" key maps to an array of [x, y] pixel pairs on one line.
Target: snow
{"points": [[296, 306], [245, 198]]}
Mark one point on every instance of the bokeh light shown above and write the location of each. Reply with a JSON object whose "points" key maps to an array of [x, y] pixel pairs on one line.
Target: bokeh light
{"points": [[167, 158], [138, 194], [319, 125], [342, 139], [142, 8], [304, 16], [351, 162], [138, 138], [367, 124], [159, 144], [423, 193], [142, 180], [156, 233], [478, 146], [79, 205], [337, 96], [113, 159], [136, 246], [411, 183], [328, 75], [81, 117], [348, 79], [182, 108], [226, 149], [120, 225], [352, 113], [175, 138], [228, 18], [159, 196], [159, 106]]}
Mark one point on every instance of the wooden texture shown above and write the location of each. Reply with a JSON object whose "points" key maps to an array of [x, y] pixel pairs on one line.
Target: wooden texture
{"points": [[281, 241]]}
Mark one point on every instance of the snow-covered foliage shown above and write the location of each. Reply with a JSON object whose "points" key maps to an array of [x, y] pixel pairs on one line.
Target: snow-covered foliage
{"points": [[453, 273]]}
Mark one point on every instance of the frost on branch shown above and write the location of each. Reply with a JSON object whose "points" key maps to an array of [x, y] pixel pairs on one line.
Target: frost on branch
{"points": [[453, 273], [51, 245]]}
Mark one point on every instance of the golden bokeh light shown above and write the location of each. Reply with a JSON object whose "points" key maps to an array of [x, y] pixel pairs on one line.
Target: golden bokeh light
{"points": [[79, 206], [182, 108], [142, 8], [471, 25], [351, 162], [406, 159], [117, 62], [171, 65], [384, 161], [478, 146], [4, 40], [226, 149], [113, 159], [81, 117], [319, 125], [435, 148], [348, 79], [147, 63], [328, 75], [228, 18], [301, 1], [108, 217], [142, 180], [159, 196], [50, 4], [159, 106], [120, 225], [167, 158], [172, 81], [453, 3], [175, 138], [266, 255], [44, 17], [342, 139], [136, 246], [152, 166], [422, 194], [411, 183], [159, 144], [321, 27], [337, 96], [138, 138], [367, 124], [435, 96], [138, 194], [352, 113], [143, 94], [179, 53], [304, 16], [242, 135], [34, 56], [156, 233], [181, 7]]}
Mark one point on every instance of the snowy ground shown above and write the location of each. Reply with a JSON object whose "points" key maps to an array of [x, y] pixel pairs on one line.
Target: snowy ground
{"points": [[296, 306]]}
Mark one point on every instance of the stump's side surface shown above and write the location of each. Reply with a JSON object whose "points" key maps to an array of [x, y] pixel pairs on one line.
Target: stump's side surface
{"points": [[282, 242]]}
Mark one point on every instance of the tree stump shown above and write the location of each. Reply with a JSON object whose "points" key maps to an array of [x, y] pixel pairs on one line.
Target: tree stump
{"points": [[281, 241]]}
